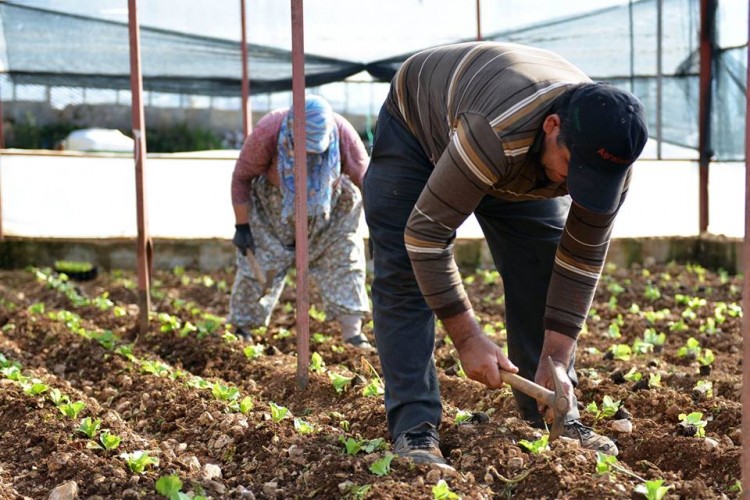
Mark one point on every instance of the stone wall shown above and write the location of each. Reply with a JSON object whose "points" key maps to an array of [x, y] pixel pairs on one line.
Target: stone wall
{"points": [[211, 254]]}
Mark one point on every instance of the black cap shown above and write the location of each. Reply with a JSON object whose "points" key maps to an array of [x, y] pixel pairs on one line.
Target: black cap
{"points": [[606, 132]]}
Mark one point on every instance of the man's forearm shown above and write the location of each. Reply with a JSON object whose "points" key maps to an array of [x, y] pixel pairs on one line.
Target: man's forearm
{"points": [[461, 327], [558, 346]]}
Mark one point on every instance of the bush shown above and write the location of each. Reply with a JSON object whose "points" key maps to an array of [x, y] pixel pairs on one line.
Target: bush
{"points": [[29, 135], [178, 138], [181, 138]]}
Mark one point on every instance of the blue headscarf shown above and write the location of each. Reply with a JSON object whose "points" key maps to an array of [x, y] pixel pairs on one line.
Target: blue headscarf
{"points": [[323, 158]]}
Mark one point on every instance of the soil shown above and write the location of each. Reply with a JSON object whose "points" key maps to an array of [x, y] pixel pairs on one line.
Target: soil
{"points": [[154, 391]]}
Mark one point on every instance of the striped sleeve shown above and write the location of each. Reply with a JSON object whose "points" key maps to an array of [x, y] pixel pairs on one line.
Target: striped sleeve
{"points": [[578, 266], [463, 175]]}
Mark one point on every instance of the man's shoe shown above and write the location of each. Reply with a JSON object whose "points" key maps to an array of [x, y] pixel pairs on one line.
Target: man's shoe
{"points": [[575, 430], [242, 334], [421, 447], [360, 342]]}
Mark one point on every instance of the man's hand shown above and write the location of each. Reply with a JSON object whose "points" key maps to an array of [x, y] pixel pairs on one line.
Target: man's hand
{"points": [[243, 238], [560, 348], [481, 358]]}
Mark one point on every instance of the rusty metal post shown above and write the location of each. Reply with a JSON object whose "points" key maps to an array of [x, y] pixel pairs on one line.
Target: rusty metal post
{"points": [[479, 22], [144, 245], [746, 300], [707, 36], [247, 117], [300, 190], [2, 146]]}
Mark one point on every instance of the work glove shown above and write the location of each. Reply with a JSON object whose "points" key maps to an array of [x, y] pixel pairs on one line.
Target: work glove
{"points": [[243, 238]]}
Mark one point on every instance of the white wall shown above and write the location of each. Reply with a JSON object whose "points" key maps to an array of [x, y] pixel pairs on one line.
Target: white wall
{"points": [[64, 195]]}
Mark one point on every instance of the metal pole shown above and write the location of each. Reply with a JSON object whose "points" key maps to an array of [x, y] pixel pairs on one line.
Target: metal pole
{"points": [[746, 299], [247, 118], [708, 15], [659, 39], [479, 22], [144, 245], [632, 46], [2, 146], [300, 190]]}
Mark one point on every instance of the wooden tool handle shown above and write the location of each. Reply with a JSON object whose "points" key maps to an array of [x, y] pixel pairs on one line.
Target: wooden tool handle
{"points": [[528, 387], [257, 270]]}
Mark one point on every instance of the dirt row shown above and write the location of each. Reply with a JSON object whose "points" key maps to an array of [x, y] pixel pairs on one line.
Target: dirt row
{"points": [[154, 390]]}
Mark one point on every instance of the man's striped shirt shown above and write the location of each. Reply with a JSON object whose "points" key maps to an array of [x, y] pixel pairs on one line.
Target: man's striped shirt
{"points": [[477, 110]]}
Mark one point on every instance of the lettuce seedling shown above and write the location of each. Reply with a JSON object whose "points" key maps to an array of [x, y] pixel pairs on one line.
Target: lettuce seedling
{"points": [[706, 387], [654, 380], [36, 308], [706, 358], [641, 347], [155, 368], [243, 406], [284, 333], [621, 352], [171, 487], [35, 388], [653, 316], [613, 331], [139, 460], [354, 446], [359, 492], [340, 382], [225, 392], [109, 441], [678, 326], [463, 416], [278, 412], [71, 410], [694, 420], [103, 302], [615, 288], [633, 375], [320, 338], [382, 467], [303, 427], [653, 490], [317, 315], [651, 336], [692, 348], [208, 325], [537, 446], [441, 491], [57, 397], [197, 382], [608, 409], [652, 292], [604, 463], [168, 322], [106, 339], [317, 365], [254, 351], [13, 373], [126, 351], [90, 426], [187, 329]]}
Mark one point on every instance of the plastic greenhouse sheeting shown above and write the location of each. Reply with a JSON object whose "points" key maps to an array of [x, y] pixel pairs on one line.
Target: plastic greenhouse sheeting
{"points": [[52, 48], [618, 44]]}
